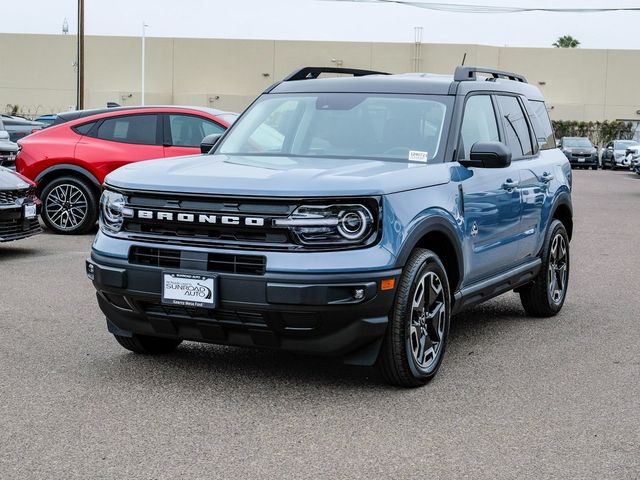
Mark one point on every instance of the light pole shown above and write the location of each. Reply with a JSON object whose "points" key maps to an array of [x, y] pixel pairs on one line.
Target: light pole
{"points": [[144, 35], [80, 58]]}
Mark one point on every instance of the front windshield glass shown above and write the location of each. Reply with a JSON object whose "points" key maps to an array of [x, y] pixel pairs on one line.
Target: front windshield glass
{"points": [[577, 143], [622, 144], [342, 125]]}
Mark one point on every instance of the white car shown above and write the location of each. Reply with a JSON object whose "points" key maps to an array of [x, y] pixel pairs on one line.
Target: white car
{"points": [[615, 154], [633, 156]]}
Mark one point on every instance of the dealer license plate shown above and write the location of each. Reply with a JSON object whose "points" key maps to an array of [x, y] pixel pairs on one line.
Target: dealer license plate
{"points": [[187, 290], [30, 211]]}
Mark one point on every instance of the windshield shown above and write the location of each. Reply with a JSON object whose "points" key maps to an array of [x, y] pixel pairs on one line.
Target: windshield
{"points": [[623, 144], [378, 126], [577, 143]]}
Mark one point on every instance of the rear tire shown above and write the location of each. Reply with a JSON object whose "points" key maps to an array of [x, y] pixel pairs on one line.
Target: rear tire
{"points": [[69, 205], [148, 345], [416, 337], [545, 296]]}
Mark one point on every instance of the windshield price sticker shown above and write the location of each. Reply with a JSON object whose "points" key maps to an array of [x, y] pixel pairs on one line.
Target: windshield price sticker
{"points": [[188, 290], [417, 156]]}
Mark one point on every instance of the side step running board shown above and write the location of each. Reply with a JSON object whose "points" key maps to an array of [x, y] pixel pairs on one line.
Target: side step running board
{"points": [[494, 286]]}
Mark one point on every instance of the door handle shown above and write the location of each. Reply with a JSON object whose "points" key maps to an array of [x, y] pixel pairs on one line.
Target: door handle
{"points": [[509, 184], [547, 177]]}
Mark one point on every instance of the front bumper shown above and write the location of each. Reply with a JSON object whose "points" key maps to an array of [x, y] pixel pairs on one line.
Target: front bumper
{"points": [[583, 161], [14, 225], [298, 312]]}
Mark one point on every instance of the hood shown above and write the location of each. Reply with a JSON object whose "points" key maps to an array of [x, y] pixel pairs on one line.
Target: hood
{"points": [[278, 176], [8, 146], [10, 181]]}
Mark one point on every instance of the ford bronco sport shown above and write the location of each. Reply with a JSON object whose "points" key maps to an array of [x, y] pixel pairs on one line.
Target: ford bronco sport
{"points": [[348, 216]]}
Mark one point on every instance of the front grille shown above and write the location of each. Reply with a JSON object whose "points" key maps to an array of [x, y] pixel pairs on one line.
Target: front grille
{"points": [[10, 197], [214, 234], [211, 262], [245, 264], [237, 317], [16, 229], [155, 257]]}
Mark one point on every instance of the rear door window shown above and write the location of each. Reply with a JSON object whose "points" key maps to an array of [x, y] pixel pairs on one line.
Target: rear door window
{"points": [[542, 125], [138, 129], [517, 133]]}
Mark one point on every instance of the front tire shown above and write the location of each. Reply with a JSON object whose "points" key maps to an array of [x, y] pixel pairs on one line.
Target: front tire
{"points": [[69, 206], [148, 345], [545, 296], [416, 337]]}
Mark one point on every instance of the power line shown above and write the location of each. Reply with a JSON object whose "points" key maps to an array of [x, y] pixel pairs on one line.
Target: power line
{"points": [[466, 8]]}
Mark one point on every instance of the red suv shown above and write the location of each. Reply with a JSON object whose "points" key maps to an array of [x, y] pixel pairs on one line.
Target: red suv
{"points": [[70, 159]]}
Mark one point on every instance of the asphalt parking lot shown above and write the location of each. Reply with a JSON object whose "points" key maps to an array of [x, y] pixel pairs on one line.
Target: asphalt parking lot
{"points": [[517, 397]]}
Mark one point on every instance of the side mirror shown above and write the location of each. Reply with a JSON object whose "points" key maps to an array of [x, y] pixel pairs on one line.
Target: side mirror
{"points": [[4, 135], [209, 142], [488, 155]]}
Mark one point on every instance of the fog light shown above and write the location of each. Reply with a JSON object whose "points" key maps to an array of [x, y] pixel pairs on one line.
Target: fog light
{"points": [[358, 293]]}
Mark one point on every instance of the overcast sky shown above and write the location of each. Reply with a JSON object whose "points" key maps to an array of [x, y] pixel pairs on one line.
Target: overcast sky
{"points": [[328, 20]]}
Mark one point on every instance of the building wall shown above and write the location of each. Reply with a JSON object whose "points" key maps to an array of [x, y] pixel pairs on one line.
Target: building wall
{"points": [[37, 72]]}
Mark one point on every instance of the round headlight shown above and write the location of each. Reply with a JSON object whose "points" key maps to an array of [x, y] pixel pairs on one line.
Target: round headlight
{"points": [[111, 206], [354, 224]]}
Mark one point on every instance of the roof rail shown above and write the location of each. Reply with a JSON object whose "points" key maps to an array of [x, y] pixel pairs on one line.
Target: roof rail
{"points": [[469, 73], [309, 73]]}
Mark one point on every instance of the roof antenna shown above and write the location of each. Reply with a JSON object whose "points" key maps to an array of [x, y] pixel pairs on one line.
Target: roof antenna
{"points": [[464, 57]]}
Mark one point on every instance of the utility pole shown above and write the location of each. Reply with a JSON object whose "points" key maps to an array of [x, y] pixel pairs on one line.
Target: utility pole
{"points": [[80, 59], [144, 36]]}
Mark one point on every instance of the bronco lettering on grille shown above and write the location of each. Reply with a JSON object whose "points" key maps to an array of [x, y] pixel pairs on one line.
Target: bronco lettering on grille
{"points": [[200, 218]]}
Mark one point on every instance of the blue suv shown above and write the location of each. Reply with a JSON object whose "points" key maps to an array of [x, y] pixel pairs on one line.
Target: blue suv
{"points": [[349, 216]]}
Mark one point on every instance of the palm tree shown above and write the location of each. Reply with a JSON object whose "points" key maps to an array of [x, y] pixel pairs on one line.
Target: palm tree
{"points": [[566, 41]]}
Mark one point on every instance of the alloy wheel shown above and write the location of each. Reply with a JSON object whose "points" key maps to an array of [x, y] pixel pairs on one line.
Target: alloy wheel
{"points": [[66, 206], [557, 273], [428, 320]]}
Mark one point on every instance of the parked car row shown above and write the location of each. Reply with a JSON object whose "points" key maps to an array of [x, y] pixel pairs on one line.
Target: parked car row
{"points": [[618, 153]]}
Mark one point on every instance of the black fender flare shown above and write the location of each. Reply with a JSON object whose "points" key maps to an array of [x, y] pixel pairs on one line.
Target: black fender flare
{"points": [[429, 225], [69, 167], [562, 199]]}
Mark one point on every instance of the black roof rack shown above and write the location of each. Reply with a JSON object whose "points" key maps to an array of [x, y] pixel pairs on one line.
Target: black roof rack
{"points": [[309, 73], [469, 73]]}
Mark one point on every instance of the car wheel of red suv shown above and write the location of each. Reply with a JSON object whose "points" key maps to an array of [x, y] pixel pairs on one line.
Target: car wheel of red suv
{"points": [[69, 206]]}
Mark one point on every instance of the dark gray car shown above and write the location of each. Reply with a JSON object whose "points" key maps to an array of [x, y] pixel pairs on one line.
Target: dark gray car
{"points": [[8, 149], [19, 127], [19, 207], [580, 152]]}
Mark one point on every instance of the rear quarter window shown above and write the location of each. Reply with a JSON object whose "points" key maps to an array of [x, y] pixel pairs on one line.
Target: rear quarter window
{"points": [[541, 124], [83, 129]]}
